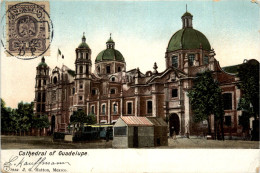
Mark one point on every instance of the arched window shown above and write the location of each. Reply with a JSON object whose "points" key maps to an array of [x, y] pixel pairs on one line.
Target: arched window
{"points": [[39, 83], [108, 69], [81, 55], [55, 80], [205, 60], [86, 55], [174, 92], [87, 70], [115, 108], [103, 109], [149, 107], [39, 97], [129, 107], [80, 69], [93, 109], [175, 61], [43, 97], [191, 59], [119, 69], [113, 79], [227, 99]]}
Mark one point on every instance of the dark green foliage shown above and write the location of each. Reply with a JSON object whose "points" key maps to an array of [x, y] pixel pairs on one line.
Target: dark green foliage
{"points": [[41, 122], [21, 119], [206, 99], [249, 77], [6, 119], [80, 117]]}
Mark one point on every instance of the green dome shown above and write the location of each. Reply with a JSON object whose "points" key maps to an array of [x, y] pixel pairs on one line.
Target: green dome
{"points": [[188, 38], [42, 63], [83, 45], [186, 14], [110, 40], [110, 55]]}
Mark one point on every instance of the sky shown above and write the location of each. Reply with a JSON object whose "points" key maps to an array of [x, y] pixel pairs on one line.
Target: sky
{"points": [[141, 31]]}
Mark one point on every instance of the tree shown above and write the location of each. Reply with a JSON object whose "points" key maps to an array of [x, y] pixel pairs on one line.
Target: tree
{"points": [[6, 119], [23, 116], [206, 99], [40, 122], [91, 119], [248, 74], [79, 117]]}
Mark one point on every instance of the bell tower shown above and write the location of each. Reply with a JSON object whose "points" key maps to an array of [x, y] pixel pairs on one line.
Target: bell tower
{"points": [[83, 66], [42, 79]]}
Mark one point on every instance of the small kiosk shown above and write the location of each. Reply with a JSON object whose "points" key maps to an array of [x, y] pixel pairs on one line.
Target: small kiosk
{"points": [[138, 132]]}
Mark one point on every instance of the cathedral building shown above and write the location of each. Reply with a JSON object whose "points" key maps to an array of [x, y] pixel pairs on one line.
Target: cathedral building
{"points": [[112, 91]]}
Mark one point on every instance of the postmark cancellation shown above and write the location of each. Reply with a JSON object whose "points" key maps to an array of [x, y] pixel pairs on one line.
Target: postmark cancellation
{"points": [[28, 29]]}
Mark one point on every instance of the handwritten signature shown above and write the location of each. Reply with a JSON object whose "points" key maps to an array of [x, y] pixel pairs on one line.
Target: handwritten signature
{"points": [[14, 163]]}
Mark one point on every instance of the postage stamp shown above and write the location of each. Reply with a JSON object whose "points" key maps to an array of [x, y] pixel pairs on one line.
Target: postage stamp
{"points": [[28, 29]]}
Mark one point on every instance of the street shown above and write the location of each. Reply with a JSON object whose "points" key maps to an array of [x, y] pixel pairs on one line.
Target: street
{"points": [[46, 142]]}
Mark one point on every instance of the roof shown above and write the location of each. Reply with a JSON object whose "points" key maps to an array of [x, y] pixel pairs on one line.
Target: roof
{"points": [[110, 40], [231, 69], [83, 45], [157, 121], [188, 38], [110, 55], [42, 63], [136, 121], [186, 14]]}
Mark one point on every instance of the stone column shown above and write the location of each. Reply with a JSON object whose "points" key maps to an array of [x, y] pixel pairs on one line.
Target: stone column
{"points": [[186, 113], [108, 111], [154, 101]]}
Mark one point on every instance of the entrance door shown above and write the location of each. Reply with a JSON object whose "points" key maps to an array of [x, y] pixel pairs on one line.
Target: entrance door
{"points": [[174, 124], [52, 124], [135, 144]]}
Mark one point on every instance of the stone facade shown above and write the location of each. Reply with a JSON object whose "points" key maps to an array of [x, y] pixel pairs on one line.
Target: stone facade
{"points": [[112, 91]]}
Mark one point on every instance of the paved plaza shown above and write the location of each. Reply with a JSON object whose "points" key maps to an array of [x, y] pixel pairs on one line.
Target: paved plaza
{"points": [[40, 142]]}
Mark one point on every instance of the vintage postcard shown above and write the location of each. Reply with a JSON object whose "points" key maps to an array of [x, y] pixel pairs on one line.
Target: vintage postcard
{"points": [[130, 86]]}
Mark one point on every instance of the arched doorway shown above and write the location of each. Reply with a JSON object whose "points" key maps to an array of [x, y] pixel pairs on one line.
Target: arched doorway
{"points": [[52, 124], [174, 124]]}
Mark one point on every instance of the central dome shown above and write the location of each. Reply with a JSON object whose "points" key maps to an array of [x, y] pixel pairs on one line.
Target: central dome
{"points": [[110, 54], [188, 38]]}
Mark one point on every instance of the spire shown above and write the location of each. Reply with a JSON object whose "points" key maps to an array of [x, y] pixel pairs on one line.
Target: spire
{"points": [[83, 38], [155, 67], [43, 59], [186, 8]]}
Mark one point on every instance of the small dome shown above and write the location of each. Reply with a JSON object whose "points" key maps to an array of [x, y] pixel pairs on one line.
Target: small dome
{"points": [[110, 40], [42, 63], [83, 44], [188, 38], [187, 14], [110, 55]]}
